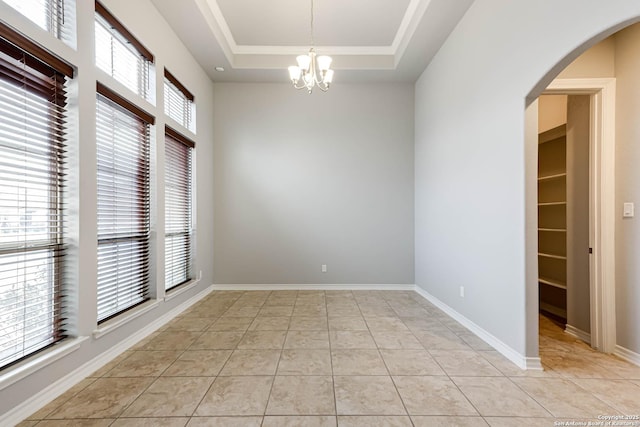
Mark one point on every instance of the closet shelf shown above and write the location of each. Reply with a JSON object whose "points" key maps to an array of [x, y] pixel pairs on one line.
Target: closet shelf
{"points": [[552, 204], [548, 177], [542, 254], [555, 230], [551, 282]]}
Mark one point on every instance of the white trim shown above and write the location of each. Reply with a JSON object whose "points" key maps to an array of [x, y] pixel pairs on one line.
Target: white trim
{"points": [[172, 293], [55, 389], [628, 355], [320, 286], [39, 361], [124, 319], [578, 333], [529, 363], [602, 203]]}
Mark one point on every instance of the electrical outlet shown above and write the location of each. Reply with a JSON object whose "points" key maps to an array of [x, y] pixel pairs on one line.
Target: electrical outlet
{"points": [[324, 268], [462, 291], [200, 275]]}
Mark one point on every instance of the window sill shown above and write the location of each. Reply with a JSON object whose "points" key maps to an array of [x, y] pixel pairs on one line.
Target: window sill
{"points": [[115, 323], [39, 361], [172, 293]]}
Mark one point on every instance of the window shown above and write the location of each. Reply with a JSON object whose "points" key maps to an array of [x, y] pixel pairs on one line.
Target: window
{"points": [[55, 16], [178, 209], [178, 102], [122, 137], [121, 55], [32, 189]]}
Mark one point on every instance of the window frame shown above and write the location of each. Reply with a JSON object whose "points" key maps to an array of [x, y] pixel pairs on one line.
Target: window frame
{"points": [[26, 67], [172, 136], [147, 120], [172, 84]]}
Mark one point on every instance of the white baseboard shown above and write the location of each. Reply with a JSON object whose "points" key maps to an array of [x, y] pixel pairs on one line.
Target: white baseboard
{"points": [[578, 333], [523, 362], [39, 400], [320, 287], [628, 355]]}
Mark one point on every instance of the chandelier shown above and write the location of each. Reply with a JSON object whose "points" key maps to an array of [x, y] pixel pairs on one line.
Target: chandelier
{"points": [[312, 70]]}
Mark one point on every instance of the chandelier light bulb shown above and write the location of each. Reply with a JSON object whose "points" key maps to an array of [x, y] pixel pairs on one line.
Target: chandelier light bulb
{"points": [[311, 70]]}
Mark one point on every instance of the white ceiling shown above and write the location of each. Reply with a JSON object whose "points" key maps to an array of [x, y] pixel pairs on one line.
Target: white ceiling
{"points": [[369, 40]]}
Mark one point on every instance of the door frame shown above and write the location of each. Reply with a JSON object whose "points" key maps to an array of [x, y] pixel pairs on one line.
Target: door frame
{"points": [[601, 202]]}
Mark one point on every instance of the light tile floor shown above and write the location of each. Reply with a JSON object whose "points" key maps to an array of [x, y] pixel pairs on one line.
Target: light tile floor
{"points": [[327, 358]]}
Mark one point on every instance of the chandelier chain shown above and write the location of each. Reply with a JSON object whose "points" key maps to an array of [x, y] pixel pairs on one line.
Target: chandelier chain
{"points": [[312, 38]]}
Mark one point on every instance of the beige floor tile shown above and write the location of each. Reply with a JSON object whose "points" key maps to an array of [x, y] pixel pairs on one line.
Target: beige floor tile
{"points": [[251, 362], [310, 309], [307, 339], [509, 368], [358, 362], [378, 421], [202, 363], [385, 324], [145, 364], [432, 396], [576, 365], [280, 300], [170, 396], [410, 362], [367, 395], [343, 310], [195, 324], [450, 421], [351, 339], [231, 324], [242, 311], [305, 362], [421, 323], [440, 339], [620, 367], [276, 311], [376, 310], [299, 421], [104, 398], [217, 341], [113, 363], [172, 340], [27, 423], [563, 398], [347, 324], [60, 400], [236, 396], [302, 395], [262, 340], [464, 364], [396, 340], [270, 324], [76, 423], [151, 422], [225, 422], [475, 342], [620, 394], [308, 323], [532, 422], [498, 396]]}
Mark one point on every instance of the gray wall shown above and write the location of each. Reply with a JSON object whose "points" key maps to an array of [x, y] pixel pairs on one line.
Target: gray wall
{"points": [[304, 180], [627, 65], [473, 170]]}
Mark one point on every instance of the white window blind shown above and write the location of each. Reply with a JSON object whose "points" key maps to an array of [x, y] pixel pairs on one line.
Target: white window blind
{"points": [[178, 209], [123, 148], [32, 185], [121, 55], [58, 17], [179, 102]]}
